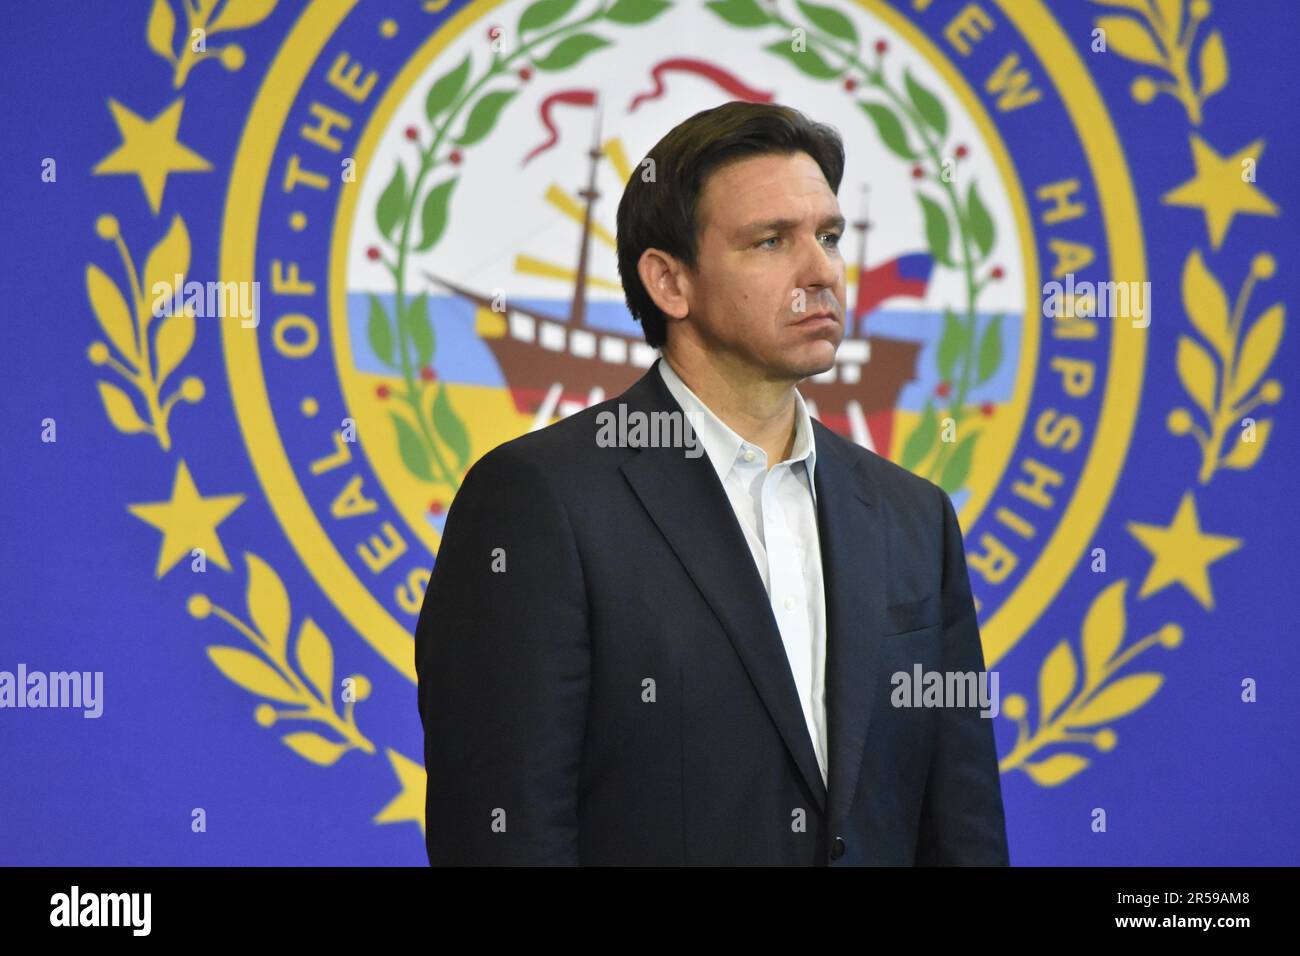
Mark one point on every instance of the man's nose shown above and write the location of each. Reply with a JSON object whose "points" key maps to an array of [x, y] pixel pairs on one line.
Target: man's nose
{"points": [[821, 269]]}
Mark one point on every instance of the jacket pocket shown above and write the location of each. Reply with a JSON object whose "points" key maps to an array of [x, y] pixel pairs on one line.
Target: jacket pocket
{"points": [[912, 615]]}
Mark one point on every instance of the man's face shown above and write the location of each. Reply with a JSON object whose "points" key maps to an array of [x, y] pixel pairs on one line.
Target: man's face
{"points": [[769, 262]]}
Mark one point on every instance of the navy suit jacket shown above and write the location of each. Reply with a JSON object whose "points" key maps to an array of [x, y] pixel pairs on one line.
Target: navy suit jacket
{"points": [[602, 680]]}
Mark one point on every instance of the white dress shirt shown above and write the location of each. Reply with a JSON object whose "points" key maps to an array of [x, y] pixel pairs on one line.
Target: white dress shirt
{"points": [[777, 511]]}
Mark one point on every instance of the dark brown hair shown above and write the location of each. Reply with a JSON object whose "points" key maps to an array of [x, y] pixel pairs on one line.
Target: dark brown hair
{"points": [[661, 214]]}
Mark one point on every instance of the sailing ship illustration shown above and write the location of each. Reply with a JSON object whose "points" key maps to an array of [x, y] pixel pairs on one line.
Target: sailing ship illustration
{"points": [[557, 364]]}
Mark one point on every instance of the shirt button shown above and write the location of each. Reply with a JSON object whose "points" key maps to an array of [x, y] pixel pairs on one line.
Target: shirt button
{"points": [[837, 848], [749, 455], [789, 603]]}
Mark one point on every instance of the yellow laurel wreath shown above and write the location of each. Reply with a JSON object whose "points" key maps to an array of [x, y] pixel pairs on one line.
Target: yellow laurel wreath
{"points": [[200, 24], [271, 676], [1223, 393], [1069, 709], [146, 361], [1164, 38]]}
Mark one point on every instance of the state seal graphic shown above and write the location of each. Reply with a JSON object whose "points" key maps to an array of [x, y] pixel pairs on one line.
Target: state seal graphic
{"points": [[424, 196]]}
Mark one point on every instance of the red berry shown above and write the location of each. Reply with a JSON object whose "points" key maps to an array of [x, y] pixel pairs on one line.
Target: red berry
{"points": [[942, 389], [850, 84], [412, 132], [436, 508], [454, 157], [986, 409], [428, 374], [372, 253], [525, 74], [881, 46], [962, 151], [997, 272], [382, 391], [493, 32], [917, 172]]}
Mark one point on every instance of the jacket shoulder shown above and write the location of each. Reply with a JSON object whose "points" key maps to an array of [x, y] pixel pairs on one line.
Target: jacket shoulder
{"points": [[565, 453]]}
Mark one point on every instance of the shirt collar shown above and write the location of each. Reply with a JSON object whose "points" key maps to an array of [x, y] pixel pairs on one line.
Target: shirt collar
{"points": [[723, 446]]}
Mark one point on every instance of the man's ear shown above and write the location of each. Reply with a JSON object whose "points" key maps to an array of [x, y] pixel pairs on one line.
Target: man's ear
{"points": [[667, 282]]}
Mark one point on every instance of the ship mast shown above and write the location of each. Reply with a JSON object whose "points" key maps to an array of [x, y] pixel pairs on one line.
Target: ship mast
{"points": [[860, 225], [579, 307]]}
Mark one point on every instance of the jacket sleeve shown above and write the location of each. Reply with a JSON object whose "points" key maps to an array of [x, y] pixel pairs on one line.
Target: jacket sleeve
{"points": [[962, 822], [503, 662]]}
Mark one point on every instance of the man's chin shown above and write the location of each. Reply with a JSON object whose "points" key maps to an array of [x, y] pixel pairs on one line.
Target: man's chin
{"points": [[809, 365]]}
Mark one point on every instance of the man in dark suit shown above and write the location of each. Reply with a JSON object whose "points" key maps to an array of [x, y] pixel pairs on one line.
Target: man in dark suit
{"points": [[634, 653]]}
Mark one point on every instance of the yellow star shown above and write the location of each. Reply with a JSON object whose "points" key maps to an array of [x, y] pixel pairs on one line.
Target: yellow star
{"points": [[1182, 553], [1218, 189], [409, 804], [150, 150], [187, 521]]}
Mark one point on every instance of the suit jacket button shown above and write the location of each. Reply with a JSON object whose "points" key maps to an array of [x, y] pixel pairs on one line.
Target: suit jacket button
{"points": [[837, 848]]}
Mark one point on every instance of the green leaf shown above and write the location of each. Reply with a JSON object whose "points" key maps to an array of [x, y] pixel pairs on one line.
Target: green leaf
{"points": [[411, 447], [981, 223], [444, 92], [990, 354], [830, 20], [807, 61], [937, 230], [890, 129], [636, 11], [484, 116], [433, 215], [450, 428], [570, 50], [922, 439], [951, 345], [391, 202], [420, 329], [927, 104], [739, 13], [957, 467], [380, 332], [543, 13]]}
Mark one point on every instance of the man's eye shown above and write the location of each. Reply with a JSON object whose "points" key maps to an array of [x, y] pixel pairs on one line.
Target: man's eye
{"points": [[835, 238]]}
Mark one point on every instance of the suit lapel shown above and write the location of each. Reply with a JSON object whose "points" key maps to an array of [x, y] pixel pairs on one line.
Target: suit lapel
{"points": [[854, 542], [692, 511]]}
